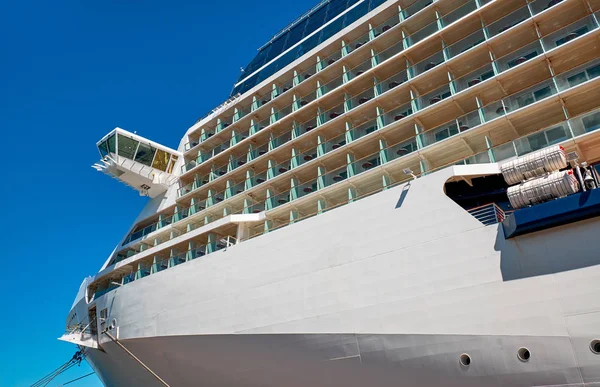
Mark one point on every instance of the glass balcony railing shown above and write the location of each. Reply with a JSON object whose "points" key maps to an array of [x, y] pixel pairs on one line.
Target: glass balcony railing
{"points": [[433, 61], [538, 6], [458, 13], [334, 143], [533, 94], [475, 78], [578, 75], [499, 26], [421, 34], [416, 7], [361, 130], [551, 136], [304, 157], [521, 56], [459, 125], [569, 32], [468, 42], [507, 22], [145, 269], [350, 103], [323, 63], [491, 111], [494, 110], [398, 114]]}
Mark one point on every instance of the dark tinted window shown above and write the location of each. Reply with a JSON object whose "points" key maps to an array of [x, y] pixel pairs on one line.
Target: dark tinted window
{"points": [[286, 59], [335, 8], [127, 146], [145, 154], [375, 3], [355, 13], [308, 45], [331, 29], [103, 147], [247, 85], [297, 33], [276, 47], [316, 20], [111, 143], [256, 63], [266, 72]]}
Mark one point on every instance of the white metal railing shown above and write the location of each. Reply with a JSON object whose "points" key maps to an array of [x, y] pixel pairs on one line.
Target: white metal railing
{"points": [[488, 214], [78, 328]]}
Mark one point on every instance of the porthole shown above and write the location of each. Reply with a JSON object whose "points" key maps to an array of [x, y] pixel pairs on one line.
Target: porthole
{"points": [[465, 360], [523, 354], [595, 346]]}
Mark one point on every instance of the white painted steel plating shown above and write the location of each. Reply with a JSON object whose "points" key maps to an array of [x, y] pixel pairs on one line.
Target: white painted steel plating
{"points": [[373, 305]]}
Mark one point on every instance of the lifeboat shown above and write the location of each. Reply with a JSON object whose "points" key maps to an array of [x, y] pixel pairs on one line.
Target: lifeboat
{"points": [[534, 164], [552, 186]]}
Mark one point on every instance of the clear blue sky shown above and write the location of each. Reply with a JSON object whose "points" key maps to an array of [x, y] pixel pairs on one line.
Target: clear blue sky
{"points": [[70, 73]]}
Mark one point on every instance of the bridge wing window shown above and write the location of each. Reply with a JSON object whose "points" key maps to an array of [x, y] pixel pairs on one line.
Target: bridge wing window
{"points": [[112, 144], [145, 154], [161, 160], [107, 146], [103, 148], [127, 146]]}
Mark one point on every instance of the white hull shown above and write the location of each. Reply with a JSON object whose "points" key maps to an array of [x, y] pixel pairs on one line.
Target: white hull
{"points": [[343, 360], [387, 291]]}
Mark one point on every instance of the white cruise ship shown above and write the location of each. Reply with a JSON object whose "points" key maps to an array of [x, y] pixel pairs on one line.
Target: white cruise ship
{"points": [[397, 193]]}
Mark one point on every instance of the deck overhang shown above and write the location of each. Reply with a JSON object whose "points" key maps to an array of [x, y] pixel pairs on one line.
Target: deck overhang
{"points": [[144, 165]]}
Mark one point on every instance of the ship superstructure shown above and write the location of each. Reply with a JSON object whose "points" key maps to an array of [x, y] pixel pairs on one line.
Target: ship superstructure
{"points": [[326, 224]]}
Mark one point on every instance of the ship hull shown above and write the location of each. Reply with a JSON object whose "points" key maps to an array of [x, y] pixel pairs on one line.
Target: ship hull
{"points": [[389, 290], [343, 360]]}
